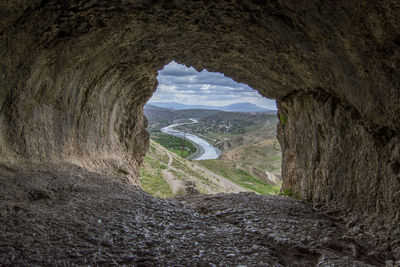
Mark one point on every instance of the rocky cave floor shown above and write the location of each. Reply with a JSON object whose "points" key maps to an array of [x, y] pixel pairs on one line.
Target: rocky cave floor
{"points": [[73, 217]]}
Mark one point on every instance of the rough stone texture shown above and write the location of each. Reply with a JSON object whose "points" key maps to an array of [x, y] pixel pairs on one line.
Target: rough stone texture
{"points": [[52, 218], [349, 162], [75, 75]]}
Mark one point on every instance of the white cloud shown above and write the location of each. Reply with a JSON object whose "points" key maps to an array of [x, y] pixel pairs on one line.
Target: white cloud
{"points": [[205, 87], [181, 84]]}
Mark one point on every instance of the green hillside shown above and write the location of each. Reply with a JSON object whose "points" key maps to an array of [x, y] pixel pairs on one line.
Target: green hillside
{"points": [[165, 174], [174, 144], [240, 176]]}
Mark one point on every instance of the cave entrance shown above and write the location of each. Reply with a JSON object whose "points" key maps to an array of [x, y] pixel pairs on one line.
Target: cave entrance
{"points": [[209, 134]]}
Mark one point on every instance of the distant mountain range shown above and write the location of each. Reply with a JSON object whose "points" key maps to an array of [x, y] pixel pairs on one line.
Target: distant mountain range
{"points": [[163, 116], [238, 107]]}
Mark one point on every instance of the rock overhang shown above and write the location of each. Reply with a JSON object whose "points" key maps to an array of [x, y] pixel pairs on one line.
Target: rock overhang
{"points": [[76, 74]]}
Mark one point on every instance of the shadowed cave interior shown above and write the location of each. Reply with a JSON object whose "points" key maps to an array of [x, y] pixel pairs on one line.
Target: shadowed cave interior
{"points": [[75, 75]]}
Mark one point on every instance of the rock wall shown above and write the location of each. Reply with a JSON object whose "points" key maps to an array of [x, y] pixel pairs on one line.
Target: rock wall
{"points": [[342, 160], [75, 75]]}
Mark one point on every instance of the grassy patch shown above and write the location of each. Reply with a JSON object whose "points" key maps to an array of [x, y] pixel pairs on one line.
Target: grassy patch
{"points": [[183, 166], [156, 154], [179, 175], [179, 152], [174, 144], [163, 167], [240, 177], [287, 192], [152, 180], [276, 158], [152, 148]]}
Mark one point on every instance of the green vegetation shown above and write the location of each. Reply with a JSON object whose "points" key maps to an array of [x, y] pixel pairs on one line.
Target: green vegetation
{"points": [[287, 192], [283, 119], [239, 176], [156, 161], [256, 150], [183, 166], [179, 152], [249, 150], [196, 113], [174, 144], [152, 180], [216, 126], [163, 167], [155, 153]]}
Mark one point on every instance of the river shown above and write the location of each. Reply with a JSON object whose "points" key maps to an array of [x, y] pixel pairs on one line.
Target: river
{"points": [[206, 150]]}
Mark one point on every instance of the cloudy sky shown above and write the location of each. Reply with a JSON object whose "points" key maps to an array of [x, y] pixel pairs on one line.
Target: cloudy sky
{"points": [[177, 83]]}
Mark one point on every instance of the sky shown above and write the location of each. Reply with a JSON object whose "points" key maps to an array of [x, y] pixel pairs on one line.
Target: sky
{"points": [[178, 83]]}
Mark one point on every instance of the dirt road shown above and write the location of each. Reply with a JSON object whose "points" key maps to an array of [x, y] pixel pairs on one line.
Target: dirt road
{"points": [[223, 184], [175, 184]]}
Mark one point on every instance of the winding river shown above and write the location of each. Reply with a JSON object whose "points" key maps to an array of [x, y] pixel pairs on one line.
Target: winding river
{"points": [[205, 149]]}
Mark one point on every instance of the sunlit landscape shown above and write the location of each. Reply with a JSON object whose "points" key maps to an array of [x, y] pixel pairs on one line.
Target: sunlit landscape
{"points": [[236, 142]]}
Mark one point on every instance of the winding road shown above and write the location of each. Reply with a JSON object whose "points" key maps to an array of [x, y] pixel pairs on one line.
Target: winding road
{"points": [[204, 149]]}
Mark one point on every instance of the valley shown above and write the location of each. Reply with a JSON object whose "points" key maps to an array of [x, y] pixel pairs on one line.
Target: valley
{"points": [[84, 183], [250, 153], [165, 174]]}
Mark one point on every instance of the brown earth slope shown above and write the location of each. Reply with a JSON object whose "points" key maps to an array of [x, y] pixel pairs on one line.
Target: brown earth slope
{"points": [[182, 176], [257, 150]]}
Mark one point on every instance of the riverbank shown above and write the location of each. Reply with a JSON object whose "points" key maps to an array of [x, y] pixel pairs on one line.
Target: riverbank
{"points": [[204, 149], [199, 151]]}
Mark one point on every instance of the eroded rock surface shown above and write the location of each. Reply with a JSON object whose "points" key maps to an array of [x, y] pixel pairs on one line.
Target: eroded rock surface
{"points": [[75, 74], [350, 162], [75, 217]]}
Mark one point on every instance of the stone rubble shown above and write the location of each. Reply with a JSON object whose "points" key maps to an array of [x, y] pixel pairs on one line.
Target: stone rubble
{"points": [[90, 219]]}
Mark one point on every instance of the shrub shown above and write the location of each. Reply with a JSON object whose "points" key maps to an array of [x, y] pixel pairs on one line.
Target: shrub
{"points": [[163, 167], [283, 119], [287, 193]]}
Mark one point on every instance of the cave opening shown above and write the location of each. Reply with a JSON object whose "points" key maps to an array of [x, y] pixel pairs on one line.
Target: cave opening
{"points": [[74, 78], [209, 134]]}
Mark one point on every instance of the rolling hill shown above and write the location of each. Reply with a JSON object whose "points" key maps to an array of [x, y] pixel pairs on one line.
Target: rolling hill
{"points": [[238, 107], [160, 115], [251, 117], [164, 174]]}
